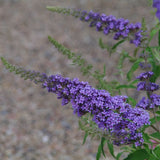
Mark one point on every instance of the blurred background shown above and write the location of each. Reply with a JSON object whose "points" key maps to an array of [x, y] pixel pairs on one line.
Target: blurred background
{"points": [[33, 124]]}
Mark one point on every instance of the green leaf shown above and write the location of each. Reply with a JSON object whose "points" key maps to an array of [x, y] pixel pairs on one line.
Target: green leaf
{"points": [[159, 37], [146, 138], [136, 51], [133, 69], [103, 141], [152, 34], [154, 31], [105, 46], [85, 137], [117, 44], [156, 54], [156, 70], [119, 155], [156, 135], [131, 100], [124, 55], [101, 44], [158, 112], [99, 152], [152, 157], [153, 120], [141, 154], [134, 81], [157, 151], [111, 149]]}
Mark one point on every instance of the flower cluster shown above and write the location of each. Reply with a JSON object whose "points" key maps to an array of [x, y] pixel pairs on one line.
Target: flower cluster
{"points": [[156, 4], [149, 103], [145, 84], [145, 75], [112, 114], [153, 100], [108, 24]]}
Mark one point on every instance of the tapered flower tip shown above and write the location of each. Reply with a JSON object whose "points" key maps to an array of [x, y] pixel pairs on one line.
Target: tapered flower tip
{"points": [[156, 4]]}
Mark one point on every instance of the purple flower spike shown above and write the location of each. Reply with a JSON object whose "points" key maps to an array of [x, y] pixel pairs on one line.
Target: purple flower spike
{"points": [[156, 4], [144, 86], [155, 99], [111, 114], [109, 24], [145, 75], [152, 102], [143, 103]]}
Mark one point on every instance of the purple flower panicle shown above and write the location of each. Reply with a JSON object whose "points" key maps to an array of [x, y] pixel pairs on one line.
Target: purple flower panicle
{"points": [[149, 103], [145, 75], [147, 86], [109, 24], [156, 4], [112, 114], [153, 100]]}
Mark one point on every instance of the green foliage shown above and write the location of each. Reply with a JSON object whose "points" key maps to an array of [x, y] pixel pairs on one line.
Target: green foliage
{"points": [[156, 54], [133, 68], [110, 49], [85, 138], [159, 38], [156, 135], [111, 149], [65, 11], [25, 74], [157, 152], [89, 127], [153, 32], [76, 59], [85, 68], [141, 154], [101, 149]]}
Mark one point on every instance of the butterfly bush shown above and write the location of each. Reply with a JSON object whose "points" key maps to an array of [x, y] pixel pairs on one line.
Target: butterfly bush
{"points": [[107, 24], [114, 115], [111, 113]]}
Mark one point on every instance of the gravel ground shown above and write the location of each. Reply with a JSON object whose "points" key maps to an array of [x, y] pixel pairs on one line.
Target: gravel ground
{"points": [[33, 125]]}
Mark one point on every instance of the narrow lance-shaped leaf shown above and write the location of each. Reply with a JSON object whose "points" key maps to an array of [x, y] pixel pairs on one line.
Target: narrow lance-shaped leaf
{"points": [[98, 155], [133, 68], [159, 37], [111, 149], [85, 137], [117, 44], [103, 141]]}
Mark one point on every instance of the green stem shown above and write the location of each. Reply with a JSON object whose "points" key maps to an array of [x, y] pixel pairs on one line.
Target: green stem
{"points": [[154, 113], [154, 128], [155, 139]]}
